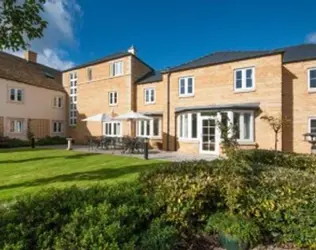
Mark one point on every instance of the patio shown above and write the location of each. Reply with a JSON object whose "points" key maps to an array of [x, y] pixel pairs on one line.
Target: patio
{"points": [[154, 154]]}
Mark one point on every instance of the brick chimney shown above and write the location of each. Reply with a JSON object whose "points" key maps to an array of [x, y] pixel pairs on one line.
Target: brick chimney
{"points": [[30, 56], [132, 50]]}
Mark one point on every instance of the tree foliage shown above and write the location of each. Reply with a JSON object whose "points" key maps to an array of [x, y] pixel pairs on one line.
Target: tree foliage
{"points": [[20, 22]]}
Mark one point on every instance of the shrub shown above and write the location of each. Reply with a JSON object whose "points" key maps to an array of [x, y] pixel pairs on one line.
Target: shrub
{"points": [[186, 190], [48, 140], [6, 142], [281, 159], [115, 217], [235, 227]]}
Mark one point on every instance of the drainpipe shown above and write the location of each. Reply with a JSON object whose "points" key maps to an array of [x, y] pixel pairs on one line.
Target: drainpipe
{"points": [[168, 109]]}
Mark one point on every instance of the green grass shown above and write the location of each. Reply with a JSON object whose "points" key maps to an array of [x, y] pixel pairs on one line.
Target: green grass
{"points": [[26, 170]]}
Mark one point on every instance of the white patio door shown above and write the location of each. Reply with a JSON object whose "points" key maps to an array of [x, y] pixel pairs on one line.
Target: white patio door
{"points": [[209, 141]]}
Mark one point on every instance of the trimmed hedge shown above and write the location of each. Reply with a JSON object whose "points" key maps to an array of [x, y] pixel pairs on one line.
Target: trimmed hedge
{"points": [[6, 142], [281, 159]]}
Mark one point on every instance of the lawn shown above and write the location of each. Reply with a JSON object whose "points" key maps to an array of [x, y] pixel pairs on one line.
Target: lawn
{"points": [[26, 170]]}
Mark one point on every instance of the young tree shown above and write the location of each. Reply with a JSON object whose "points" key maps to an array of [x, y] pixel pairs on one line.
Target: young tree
{"points": [[20, 22], [277, 124]]}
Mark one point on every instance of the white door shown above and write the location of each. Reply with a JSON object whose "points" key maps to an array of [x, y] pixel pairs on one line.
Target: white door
{"points": [[209, 136]]}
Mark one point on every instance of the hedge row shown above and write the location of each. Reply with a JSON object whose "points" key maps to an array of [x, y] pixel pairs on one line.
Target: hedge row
{"points": [[6, 142]]}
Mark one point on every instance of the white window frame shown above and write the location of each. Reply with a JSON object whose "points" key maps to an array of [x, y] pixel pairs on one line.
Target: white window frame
{"points": [[151, 92], [111, 124], [113, 98], [151, 128], [59, 126], [114, 68], [186, 94], [241, 122], [17, 123], [310, 89], [16, 90], [244, 87], [309, 123], [73, 82], [189, 126], [58, 102]]}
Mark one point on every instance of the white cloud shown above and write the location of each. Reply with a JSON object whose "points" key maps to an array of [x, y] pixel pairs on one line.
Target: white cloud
{"points": [[60, 31], [311, 38]]}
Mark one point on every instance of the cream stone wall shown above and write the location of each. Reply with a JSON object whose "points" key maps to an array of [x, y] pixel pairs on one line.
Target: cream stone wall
{"points": [[214, 86], [37, 104], [299, 104]]}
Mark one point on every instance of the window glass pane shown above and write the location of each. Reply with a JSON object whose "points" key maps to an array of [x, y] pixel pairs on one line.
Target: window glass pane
{"points": [[312, 83], [147, 95], [181, 125], [247, 126], [313, 125], [239, 74], [156, 127], [186, 129], [147, 128], [12, 94], [224, 123], [152, 99], [194, 126], [190, 85], [312, 74], [182, 86], [19, 95], [142, 128], [237, 125], [238, 83]]}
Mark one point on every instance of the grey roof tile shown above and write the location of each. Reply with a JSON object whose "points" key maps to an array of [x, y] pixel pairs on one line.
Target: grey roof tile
{"points": [[154, 76]]}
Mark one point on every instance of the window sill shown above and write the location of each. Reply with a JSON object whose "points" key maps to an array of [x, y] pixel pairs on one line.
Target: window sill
{"points": [[186, 96], [250, 143], [113, 105], [15, 102], [311, 91], [150, 103], [244, 90]]}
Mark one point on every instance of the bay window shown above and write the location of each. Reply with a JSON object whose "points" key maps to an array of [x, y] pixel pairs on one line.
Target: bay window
{"points": [[150, 128], [243, 125], [188, 126]]}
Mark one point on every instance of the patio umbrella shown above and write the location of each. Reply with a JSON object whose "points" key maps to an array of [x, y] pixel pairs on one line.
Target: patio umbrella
{"points": [[102, 117], [132, 116]]}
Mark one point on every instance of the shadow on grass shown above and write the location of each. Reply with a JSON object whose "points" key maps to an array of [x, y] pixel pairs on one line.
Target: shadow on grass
{"points": [[96, 175], [27, 149], [75, 156]]}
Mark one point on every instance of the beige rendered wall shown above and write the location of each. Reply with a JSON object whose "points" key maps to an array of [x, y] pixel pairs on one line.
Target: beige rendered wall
{"points": [[299, 103], [37, 104], [214, 86]]}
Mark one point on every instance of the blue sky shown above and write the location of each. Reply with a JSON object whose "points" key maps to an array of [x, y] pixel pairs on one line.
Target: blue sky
{"points": [[168, 33]]}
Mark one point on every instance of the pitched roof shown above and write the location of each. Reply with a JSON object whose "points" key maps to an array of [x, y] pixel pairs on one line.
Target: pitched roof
{"points": [[301, 52], [18, 69], [154, 76], [222, 57], [103, 59]]}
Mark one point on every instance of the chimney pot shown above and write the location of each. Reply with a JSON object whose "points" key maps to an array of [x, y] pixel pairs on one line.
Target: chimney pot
{"points": [[30, 56]]}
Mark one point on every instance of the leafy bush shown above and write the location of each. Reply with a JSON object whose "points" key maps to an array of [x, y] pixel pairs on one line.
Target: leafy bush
{"points": [[186, 190], [6, 142], [236, 227], [115, 217], [281, 159], [54, 140]]}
